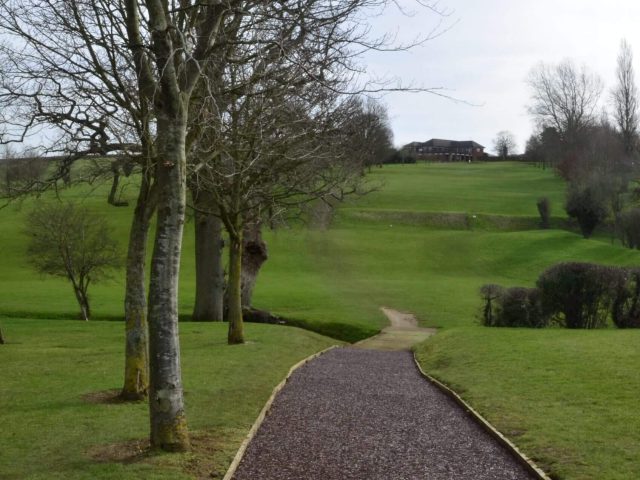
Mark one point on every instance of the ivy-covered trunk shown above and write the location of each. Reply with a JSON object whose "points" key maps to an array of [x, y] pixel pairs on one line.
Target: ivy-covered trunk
{"points": [[166, 402]]}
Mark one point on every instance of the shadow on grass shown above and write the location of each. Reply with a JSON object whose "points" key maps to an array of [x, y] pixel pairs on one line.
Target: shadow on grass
{"points": [[335, 330], [198, 462]]}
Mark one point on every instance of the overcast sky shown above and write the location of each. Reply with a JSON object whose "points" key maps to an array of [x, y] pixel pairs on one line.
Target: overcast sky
{"points": [[485, 56]]}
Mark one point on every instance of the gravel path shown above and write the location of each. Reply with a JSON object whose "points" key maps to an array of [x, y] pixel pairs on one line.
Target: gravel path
{"points": [[364, 414], [402, 334]]}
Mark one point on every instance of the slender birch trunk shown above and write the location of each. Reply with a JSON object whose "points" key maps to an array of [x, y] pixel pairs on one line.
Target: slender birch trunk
{"points": [[136, 369], [166, 401]]}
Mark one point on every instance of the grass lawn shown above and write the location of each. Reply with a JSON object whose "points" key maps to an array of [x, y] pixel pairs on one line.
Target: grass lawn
{"points": [[567, 398], [436, 274], [49, 431], [295, 283], [561, 395], [491, 188]]}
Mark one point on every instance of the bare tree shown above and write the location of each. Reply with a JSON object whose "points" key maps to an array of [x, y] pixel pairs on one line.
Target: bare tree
{"points": [[169, 64], [275, 151], [117, 77], [504, 144], [132, 78], [565, 98], [625, 98], [369, 131], [276, 134], [64, 75], [71, 242]]}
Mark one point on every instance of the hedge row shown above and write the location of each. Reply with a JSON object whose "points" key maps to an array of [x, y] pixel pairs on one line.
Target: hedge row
{"points": [[571, 294]]}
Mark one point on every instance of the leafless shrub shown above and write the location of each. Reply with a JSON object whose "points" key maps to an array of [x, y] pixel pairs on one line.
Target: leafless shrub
{"points": [[71, 242]]}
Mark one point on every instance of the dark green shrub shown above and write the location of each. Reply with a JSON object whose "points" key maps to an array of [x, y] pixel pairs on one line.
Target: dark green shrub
{"points": [[522, 307], [513, 307], [587, 205], [625, 311], [629, 228], [580, 294], [544, 209], [490, 293]]}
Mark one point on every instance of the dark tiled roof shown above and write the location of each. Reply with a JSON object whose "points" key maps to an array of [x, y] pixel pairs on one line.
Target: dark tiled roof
{"points": [[437, 142]]}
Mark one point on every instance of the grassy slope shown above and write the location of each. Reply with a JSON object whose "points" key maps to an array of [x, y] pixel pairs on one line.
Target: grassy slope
{"points": [[48, 431], [343, 274], [295, 283], [494, 188]]}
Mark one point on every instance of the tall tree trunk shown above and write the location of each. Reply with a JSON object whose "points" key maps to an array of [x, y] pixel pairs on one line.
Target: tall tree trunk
{"points": [[236, 327], [253, 257], [166, 401], [136, 364], [209, 301], [111, 199]]}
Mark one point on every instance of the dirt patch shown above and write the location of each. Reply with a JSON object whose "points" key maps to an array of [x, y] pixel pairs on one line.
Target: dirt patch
{"points": [[125, 452], [105, 397], [198, 462]]}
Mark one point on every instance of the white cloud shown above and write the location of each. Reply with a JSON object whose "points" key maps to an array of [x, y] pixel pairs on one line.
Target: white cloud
{"points": [[485, 58]]}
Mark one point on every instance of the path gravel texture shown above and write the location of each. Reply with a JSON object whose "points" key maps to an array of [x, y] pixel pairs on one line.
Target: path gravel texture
{"points": [[365, 414]]}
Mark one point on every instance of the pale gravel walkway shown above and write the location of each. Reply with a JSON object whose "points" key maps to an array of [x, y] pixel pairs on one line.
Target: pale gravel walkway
{"points": [[364, 414], [402, 334]]}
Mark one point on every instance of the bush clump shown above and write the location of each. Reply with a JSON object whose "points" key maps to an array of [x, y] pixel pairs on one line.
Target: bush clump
{"points": [[490, 293], [572, 294], [544, 209], [513, 307], [587, 205], [580, 294], [629, 228], [625, 311]]}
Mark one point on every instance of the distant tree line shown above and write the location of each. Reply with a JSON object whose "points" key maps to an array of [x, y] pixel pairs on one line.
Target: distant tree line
{"points": [[595, 153]]}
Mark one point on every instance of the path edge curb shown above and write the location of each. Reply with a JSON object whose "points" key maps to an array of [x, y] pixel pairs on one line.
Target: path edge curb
{"points": [[265, 410], [523, 459]]}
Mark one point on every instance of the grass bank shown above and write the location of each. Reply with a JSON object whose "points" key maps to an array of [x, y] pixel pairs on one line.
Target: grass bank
{"points": [[56, 425], [559, 394], [568, 398]]}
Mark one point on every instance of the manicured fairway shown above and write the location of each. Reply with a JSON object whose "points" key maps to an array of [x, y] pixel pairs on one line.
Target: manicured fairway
{"points": [[497, 188]]}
